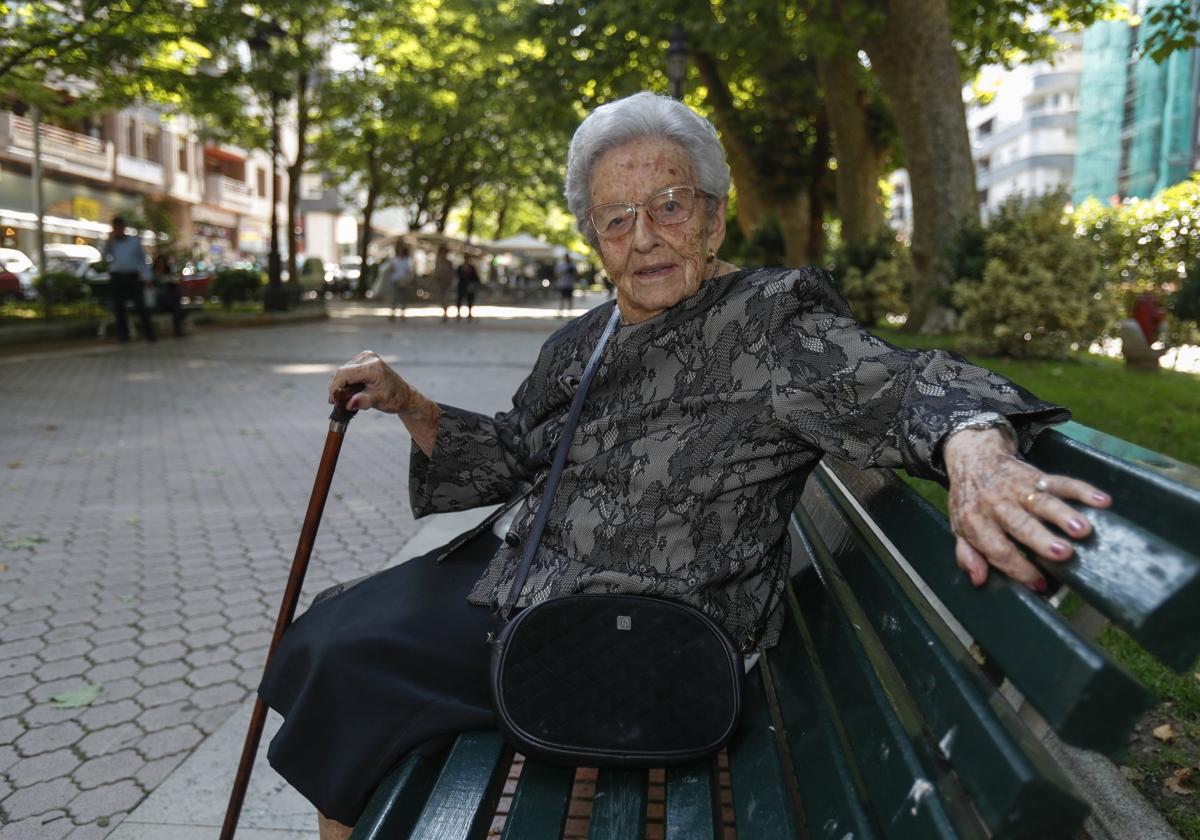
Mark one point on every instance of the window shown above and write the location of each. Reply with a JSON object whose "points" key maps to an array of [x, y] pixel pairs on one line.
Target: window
{"points": [[150, 141], [131, 138], [312, 187], [985, 127], [183, 155], [262, 182]]}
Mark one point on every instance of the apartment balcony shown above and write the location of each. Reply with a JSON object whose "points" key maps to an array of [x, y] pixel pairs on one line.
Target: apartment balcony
{"points": [[186, 187], [62, 150], [136, 169], [228, 193]]}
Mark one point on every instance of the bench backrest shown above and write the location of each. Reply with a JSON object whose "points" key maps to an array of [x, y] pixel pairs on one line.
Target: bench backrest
{"points": [[890, 631]]}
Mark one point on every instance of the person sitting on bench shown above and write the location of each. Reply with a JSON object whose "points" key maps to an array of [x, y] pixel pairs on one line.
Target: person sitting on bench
{"points": [[715, 398]]}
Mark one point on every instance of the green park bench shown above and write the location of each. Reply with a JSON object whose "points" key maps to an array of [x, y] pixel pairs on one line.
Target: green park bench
{"points": [[886, 709]]}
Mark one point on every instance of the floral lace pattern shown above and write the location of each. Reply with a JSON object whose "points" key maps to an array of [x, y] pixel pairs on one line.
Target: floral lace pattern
{"points": [[695, 441]]}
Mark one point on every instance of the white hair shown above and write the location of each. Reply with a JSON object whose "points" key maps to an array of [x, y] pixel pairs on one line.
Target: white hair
{"points": [[643, 115]]}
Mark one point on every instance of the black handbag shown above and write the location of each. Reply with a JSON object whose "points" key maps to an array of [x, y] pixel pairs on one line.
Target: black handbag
{"points": [[610, 680]]}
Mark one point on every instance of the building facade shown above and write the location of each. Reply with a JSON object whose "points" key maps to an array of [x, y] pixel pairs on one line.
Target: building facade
{"points": [[1139, 121], [1023, 126], [218, 197]]}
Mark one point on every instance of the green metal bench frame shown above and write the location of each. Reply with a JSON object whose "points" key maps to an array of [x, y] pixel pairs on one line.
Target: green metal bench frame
{"points": [[880, 713]]}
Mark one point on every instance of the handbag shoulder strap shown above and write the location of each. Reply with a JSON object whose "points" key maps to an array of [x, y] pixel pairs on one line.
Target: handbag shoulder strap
{"points": [[560, 460]]}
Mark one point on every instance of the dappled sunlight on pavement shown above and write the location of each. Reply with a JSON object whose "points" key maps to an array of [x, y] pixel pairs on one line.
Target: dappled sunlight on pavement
{"points": [[493, 311]]}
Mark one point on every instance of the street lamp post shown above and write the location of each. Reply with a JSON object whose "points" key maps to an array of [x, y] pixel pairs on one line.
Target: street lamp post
{"points": [[677, 60], [262, 44]]}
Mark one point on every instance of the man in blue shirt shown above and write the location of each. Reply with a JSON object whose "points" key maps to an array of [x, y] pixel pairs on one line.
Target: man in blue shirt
{"points": [[130, 279]]}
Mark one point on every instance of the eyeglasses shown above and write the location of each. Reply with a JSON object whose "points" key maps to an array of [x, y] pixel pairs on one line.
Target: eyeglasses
{"points": [[672, 206]]}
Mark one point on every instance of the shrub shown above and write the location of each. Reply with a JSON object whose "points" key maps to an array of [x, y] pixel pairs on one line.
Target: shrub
{"points": [[60, 287], [1042, 292], [1185, 303], [1145, 242], [875, 277], [236, 285]]}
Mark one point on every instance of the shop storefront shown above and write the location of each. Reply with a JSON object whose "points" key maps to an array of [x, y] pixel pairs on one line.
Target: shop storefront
{"points": [[214, 235], [73, 212]]}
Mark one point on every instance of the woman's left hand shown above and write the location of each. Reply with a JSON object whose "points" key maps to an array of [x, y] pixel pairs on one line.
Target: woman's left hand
{"points": [[998, 501]]}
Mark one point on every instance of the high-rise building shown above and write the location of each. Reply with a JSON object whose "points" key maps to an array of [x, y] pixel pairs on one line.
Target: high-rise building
{"points": [[1138, 119], [1022, 124]]}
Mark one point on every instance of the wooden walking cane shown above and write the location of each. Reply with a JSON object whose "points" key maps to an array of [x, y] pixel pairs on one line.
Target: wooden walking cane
{"points": [[338, 421]]}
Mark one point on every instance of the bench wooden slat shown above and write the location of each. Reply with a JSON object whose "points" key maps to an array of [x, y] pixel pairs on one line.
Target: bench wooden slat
{"points": [[397, 801], [465, 795], [1058, 672], [831, 791], [540, 803], [1141, 568], [619, 807], [757, 776], [910, 795], [1016, 786], [693, 807]]}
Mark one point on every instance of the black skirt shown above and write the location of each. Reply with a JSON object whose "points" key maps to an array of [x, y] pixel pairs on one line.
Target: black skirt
{"points": [[368, 676]]}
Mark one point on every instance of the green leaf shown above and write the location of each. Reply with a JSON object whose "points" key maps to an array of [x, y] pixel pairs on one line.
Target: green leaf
{"points": [[77, 697], [20, 543]]}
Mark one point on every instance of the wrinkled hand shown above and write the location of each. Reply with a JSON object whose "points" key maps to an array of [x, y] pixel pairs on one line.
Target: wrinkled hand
{"points": [[383, 388], [998, 501]]}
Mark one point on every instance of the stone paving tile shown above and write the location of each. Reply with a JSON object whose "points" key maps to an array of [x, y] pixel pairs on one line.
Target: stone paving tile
{"points": [[51, 825], [169, 484]]}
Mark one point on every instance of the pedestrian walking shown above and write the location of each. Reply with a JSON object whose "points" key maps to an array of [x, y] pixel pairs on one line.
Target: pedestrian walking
{"points": [[443, 279], [468, 285], [566, 276], [130, 280], [396, 275]]}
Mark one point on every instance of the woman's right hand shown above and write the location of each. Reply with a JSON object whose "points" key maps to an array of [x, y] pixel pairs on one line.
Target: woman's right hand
{"points": [[383, 388]]}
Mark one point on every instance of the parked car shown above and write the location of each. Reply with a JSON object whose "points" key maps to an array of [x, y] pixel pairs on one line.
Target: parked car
{"points": [[194, 281], [347, 275], [16, 274], [83, 261]]}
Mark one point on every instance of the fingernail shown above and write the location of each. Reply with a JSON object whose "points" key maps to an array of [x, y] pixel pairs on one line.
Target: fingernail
{"points": [[1075, 524], [1059, 549], [1100, 497]]}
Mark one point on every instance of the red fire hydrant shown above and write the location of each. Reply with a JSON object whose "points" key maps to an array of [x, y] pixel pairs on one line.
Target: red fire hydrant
{"points": [[1149, 314]]}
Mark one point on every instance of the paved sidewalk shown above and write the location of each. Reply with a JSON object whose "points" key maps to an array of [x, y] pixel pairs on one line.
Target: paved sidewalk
{"points": [[191, 802], [152, 497]]}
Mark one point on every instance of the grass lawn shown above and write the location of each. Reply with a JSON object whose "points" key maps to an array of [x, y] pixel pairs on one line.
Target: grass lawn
{"points": [[1160, 411]]}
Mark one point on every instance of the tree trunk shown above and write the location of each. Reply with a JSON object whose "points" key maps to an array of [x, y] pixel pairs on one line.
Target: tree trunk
{"points": [[296, 171], [859, 161], [501, 215], [752, 206], [756, 203], [919, 72], [795, 223], [364, 241]]}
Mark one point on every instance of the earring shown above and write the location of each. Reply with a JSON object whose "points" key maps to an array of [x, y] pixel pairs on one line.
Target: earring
{"points": [[712, 255]]}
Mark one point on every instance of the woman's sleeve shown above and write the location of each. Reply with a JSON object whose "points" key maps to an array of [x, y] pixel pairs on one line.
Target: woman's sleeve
{"points": [[476, 460], [853, 395]]}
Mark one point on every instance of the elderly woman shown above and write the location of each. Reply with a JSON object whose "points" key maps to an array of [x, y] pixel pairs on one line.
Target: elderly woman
{"points": [[716, 396]]}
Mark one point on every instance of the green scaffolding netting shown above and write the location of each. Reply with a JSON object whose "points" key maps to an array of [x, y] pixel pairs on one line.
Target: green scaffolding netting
{"points": [[1136, 117]]}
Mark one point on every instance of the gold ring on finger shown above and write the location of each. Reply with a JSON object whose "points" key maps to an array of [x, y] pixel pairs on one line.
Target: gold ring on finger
{"points": [[1030, 498]]}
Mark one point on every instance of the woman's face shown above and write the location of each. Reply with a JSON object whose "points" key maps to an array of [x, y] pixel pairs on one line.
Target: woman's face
{"points": [[653, 266]]}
